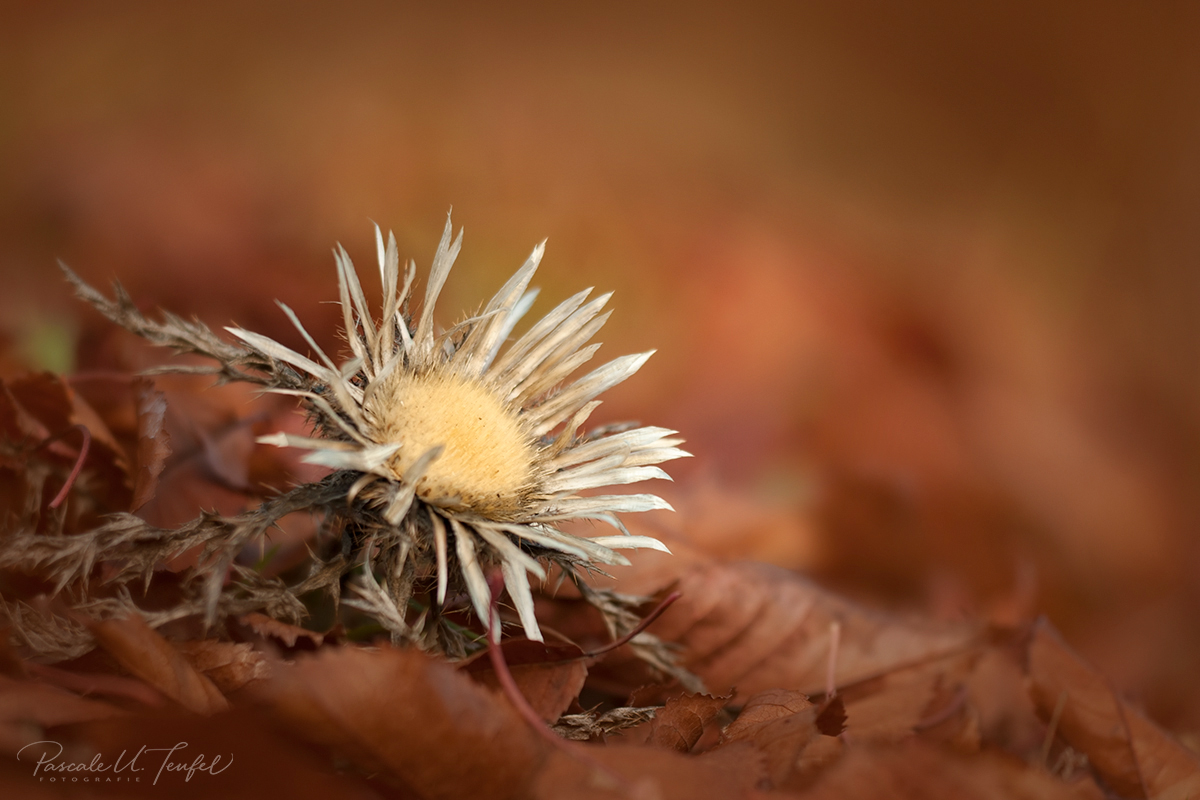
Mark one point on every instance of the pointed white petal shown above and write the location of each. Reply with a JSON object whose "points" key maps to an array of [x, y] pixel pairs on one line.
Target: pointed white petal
{"points": [[537, 536], [558, 342], [367, 459], [508, 550], [485, 337], [439, 543], [352, 301], [631, 543], [614, 477], [517, 584], [468, 562], [625, 442], [558, 408], [443, 260], [593, 551], [553, 372], [515, 354], [275, 350], [518, 312], [282, 439], [628, 503]]}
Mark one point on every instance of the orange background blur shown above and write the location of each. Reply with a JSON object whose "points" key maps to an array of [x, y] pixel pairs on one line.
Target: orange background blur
{"points": [[923, 280]]}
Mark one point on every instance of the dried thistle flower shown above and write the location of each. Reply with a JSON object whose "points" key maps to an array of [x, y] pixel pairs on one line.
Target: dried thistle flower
{"points": [[453, 452]]}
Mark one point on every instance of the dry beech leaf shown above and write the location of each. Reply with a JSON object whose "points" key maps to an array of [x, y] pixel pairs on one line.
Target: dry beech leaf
{"points": [[227, 454], [27, 708], [17, 423], [258, 759], [899, 702], [549, 677], [760, 627], [229, 665], [56, 405], [1135, 757], [153, 441], [40, 406], [679, 724], [418, 720], [919, 771], [651, 772], [141, 650], [97, 683], [779, 724]]}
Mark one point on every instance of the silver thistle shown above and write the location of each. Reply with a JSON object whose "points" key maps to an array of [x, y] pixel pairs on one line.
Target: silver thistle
{"points": [[453, 452]]}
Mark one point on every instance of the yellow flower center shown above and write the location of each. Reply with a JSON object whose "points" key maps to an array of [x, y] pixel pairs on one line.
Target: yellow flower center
{"points": [[487, 461]]}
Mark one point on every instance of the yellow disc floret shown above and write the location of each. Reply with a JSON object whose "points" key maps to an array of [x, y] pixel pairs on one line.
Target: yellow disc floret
{"points": [[487, 461]]}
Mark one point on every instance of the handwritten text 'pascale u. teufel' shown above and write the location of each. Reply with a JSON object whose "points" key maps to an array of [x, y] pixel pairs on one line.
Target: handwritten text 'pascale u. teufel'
{"points": [[50, 766]]}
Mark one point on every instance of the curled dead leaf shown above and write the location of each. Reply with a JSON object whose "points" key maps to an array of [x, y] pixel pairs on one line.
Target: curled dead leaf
{"points": [[651, 772], [549, 677], [680, 723], [779, 724], [153, 441], [761, 627], [141, 650], [229, 665], [918, 771], [27, 708], [291, 637], [419, 721], [1133, 755]]}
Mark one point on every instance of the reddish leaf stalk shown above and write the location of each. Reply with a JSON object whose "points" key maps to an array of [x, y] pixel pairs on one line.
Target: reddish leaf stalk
{"points": [[938, 717], [83, 453], [641, 626], [835, 641], [513, 692], [1052, 728]]}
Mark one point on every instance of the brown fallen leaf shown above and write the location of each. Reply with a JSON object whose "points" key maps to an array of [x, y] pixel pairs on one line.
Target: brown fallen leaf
{"points": [[779, 724], [229, 665], [918, 771], [761, 627], [899, 702], [98, 683], [153, 441], [38, 413], [292, 637], [27, 708], [1135, 757], [140, 649], [549, 677], [50, 399], [419, 721], [257, 759], [680, 723], [651, 772]]}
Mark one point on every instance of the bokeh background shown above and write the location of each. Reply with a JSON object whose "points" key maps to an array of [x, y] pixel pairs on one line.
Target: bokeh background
{"points": [[923, 277]]}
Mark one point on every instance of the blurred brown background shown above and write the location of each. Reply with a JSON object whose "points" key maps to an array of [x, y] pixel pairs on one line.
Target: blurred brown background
{"points": [[923, 280]]}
